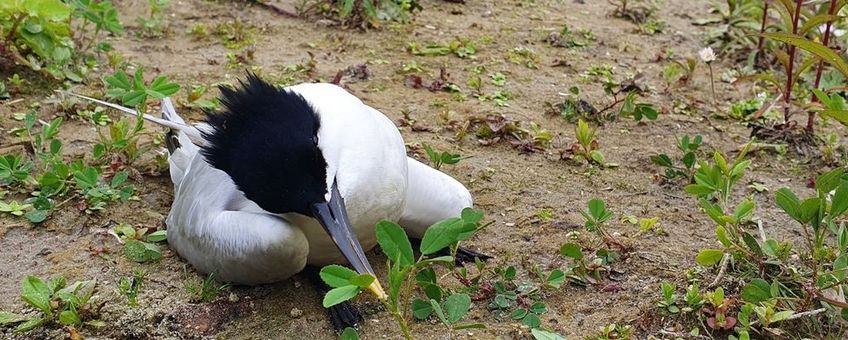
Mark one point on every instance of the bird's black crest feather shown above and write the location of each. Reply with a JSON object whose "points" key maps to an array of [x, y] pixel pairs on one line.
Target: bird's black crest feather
{"points": [[265, 138]]}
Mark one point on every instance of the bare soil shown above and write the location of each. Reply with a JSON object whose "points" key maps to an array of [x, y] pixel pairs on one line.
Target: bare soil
{"points": [[510, 186]]}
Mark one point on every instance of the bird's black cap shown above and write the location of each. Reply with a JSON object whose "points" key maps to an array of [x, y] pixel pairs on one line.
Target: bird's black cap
{"points": [[265, 139]]}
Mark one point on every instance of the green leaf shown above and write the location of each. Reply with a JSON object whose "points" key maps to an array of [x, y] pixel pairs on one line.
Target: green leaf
{"points": [[162, 88], [362, 281], [349, 334], [421, 309], [556, 278], [828, 181], [790, 203], [817, 21], [68, 317], [394, 243], [816, 48], [662, 160], [158, 236], [743, 211], [709, 257], [31, 324], [540, 334], [758, 290], [439, 312], [532, 320], [339, 295], [839, 115], [839, 202], [518, 314], [752, 243], [780, 316], [7, 318], [698, 190], [119, 178], [471, 215], [571, 250], [337, 276], [36, 293], [443, 234], [141, 252], [456, 306], [810, 209], [52, 10]]}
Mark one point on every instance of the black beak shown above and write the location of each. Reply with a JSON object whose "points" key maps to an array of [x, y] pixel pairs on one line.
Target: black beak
{"points": [[333, 217]]}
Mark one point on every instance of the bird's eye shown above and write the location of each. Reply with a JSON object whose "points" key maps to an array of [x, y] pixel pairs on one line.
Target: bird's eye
{"points": [[315, 139]]}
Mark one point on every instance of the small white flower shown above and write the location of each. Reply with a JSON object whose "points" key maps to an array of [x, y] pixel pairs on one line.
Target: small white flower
{"points": [[707, 55]]}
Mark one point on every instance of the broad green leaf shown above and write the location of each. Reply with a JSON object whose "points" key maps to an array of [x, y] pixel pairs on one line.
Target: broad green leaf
{"points": [[839, 202], [839, 115], [337, 276], [36, 293], [362, 281], [532, 320], [571, 250], [119, 80], [816, 48], [442, 234], [758, 290], [556, 278], [471, 215], [721, 233], [7, 318], [709, 257], [810, 209], [394, 243], [698, 189], [743, 211], [31, 324], [68, 317], [540, 334], [119, 178], [662, 160], [752, 243], [339, 295], [52, 10], [456, 306], [790, 204], [828, 181], [349, 334], [158, 236], [518, 314], [163, 88], [421, 309]]}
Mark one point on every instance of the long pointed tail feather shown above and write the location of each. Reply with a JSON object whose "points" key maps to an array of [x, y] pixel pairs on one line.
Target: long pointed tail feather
{"points": [[173, 121]]}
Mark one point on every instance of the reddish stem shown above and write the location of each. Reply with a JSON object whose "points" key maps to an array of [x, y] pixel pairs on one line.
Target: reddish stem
{"points": [[811, 118], [761, 43], [787, 95]]}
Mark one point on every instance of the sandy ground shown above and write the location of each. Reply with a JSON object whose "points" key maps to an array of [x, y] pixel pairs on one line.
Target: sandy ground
{"points": [[510, 186]]}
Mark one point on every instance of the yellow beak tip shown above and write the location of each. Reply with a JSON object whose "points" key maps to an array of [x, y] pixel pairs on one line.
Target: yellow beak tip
{"points": [[377, 290]]}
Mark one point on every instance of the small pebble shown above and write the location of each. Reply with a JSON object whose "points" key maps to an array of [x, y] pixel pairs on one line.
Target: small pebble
{"points": [[296, 313], [233, 297]]}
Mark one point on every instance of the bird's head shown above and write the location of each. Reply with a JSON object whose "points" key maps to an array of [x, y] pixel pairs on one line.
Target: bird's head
{"points": [[267, 140]]}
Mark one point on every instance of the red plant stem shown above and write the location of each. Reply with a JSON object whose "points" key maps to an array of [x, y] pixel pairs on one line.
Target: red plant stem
{"points": [[787, 95], [811, 118], [762, 41]]}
